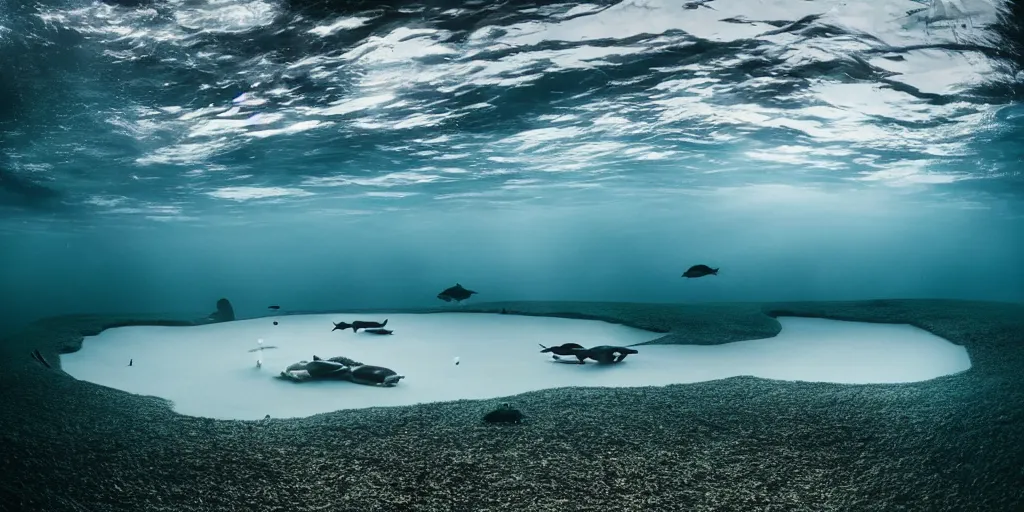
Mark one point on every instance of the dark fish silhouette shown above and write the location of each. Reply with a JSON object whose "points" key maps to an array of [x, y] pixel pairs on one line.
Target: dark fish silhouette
{"points": [[603, 354], [456, 293], [374, 375], [698, 4], [273, 307], [38, 356], [700, 271], [379, 331], [225, 312], [130, 361], [358, 324], [258, 349], [565, 349]]}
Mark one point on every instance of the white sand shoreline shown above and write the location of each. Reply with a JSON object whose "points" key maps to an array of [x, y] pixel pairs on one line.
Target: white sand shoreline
{"points": [[208, 371]]}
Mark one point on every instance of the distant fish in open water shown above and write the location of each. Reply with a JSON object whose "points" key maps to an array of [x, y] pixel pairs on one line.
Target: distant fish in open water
{"points": [[700, 271], [456, 293]]}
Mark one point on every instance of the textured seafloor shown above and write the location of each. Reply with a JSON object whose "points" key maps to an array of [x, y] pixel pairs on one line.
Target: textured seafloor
{"points": [[950, 444]]}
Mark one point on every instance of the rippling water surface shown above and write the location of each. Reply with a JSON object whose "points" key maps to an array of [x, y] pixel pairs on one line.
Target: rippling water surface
{"points": [[737, 127]]}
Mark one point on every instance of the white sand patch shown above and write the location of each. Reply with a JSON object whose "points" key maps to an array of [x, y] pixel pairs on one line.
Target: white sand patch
{"points": [[208, 370]]}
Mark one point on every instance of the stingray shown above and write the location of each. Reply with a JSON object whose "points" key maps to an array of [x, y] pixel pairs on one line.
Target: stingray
{"points": [[456, 293]]}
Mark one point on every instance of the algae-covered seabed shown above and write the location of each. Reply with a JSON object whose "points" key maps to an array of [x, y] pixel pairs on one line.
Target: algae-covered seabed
{"points": [[953, 443]]}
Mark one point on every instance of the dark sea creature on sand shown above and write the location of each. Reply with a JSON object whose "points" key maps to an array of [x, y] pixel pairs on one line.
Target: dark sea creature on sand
{"points": [[603, 354], [700, 271], [38, 356], [358, 324], [374, 375], [456, 293], [341, 359], [317, 369], [224, 313], [341, 368], [379, 331], [565, 349], [504, 414]]}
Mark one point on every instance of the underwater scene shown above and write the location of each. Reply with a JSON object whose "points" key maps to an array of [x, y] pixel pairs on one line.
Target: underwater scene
{"points": [[482, 255]]}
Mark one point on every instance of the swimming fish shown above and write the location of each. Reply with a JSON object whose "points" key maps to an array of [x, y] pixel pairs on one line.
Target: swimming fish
{"points": [[456, 293], [700, 271]]}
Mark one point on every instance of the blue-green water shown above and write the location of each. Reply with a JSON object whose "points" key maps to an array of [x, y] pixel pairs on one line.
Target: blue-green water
{"points": [[156, 155]]}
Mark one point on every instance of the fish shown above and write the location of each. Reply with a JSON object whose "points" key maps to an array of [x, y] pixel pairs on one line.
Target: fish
{"points": [[361, 324], [700, 271], [358, 324], [457, 293], [565, 349], [274, 307]]}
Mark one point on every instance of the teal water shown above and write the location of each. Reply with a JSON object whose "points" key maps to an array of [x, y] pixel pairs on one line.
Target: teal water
{"points": [[156, 155]]}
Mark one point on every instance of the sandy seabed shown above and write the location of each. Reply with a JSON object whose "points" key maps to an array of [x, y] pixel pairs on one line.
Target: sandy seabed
{"points": [[950, 443], [209, 370]]}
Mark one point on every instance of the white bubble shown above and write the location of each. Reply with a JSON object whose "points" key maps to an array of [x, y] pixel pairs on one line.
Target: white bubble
{"points": [[260, 341]]}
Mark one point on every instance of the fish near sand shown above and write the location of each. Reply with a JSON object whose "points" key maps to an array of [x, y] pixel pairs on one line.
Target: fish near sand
{"points": [[360, 324], [341, 326], [700, 271], [603, 354], [378, 331], [456, 293], [565, 349]]}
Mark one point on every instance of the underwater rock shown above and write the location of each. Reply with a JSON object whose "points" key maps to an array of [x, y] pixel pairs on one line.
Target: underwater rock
{"points": [[504, 414]]}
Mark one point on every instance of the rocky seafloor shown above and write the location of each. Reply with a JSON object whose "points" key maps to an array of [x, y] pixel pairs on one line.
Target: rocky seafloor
{"points": [[954, 443]]}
